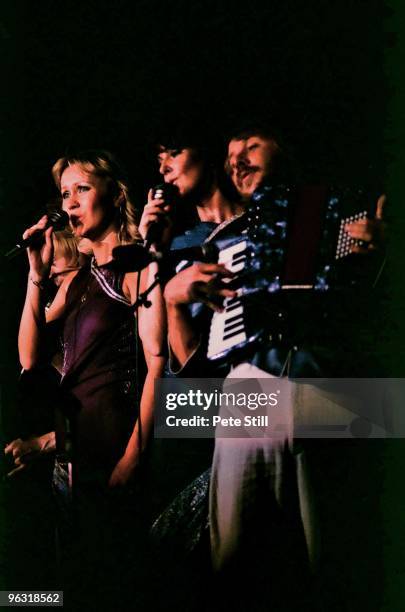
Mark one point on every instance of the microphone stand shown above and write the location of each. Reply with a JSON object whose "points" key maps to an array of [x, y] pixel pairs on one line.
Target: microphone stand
{"points": [[157, 256], [142, 298]]}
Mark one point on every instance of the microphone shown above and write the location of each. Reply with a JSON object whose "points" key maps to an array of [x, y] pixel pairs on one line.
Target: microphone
{"points": [[135, 257], [163, 191], [57, 218]]}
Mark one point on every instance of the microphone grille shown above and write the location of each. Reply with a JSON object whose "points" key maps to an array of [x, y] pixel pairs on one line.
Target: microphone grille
{"points": [[167, 190], [58, 218]]}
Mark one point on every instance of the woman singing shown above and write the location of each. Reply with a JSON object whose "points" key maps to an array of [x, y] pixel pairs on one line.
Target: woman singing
{"points": [[101, 446]]}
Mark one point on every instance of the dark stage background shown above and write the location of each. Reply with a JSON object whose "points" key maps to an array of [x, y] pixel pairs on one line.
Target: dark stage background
{"points": [[93, 74]]}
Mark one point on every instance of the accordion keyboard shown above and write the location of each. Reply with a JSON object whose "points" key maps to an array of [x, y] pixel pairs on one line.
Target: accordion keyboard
{"points": [[228, 327]]}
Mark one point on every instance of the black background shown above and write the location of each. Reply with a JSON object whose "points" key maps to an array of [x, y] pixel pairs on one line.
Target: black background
{"points": [[94, 74]]}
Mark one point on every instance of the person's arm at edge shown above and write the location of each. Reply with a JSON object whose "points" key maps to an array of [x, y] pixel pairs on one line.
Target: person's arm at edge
{"points": [[152, 332], [34, 319]]}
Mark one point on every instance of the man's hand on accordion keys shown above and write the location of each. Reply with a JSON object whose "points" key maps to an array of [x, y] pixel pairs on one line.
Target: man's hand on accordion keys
{"points": [[369, 233], [201, 282]]}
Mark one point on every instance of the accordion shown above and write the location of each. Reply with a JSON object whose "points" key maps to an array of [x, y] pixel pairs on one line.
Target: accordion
{"points": [[294, 248]]}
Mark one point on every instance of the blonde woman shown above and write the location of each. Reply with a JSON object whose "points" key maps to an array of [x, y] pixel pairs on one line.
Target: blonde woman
{"points": [[101, 447]]}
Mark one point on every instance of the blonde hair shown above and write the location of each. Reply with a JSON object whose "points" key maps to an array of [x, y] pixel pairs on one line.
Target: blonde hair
{"points": [[103, 164], [65, 245]]}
